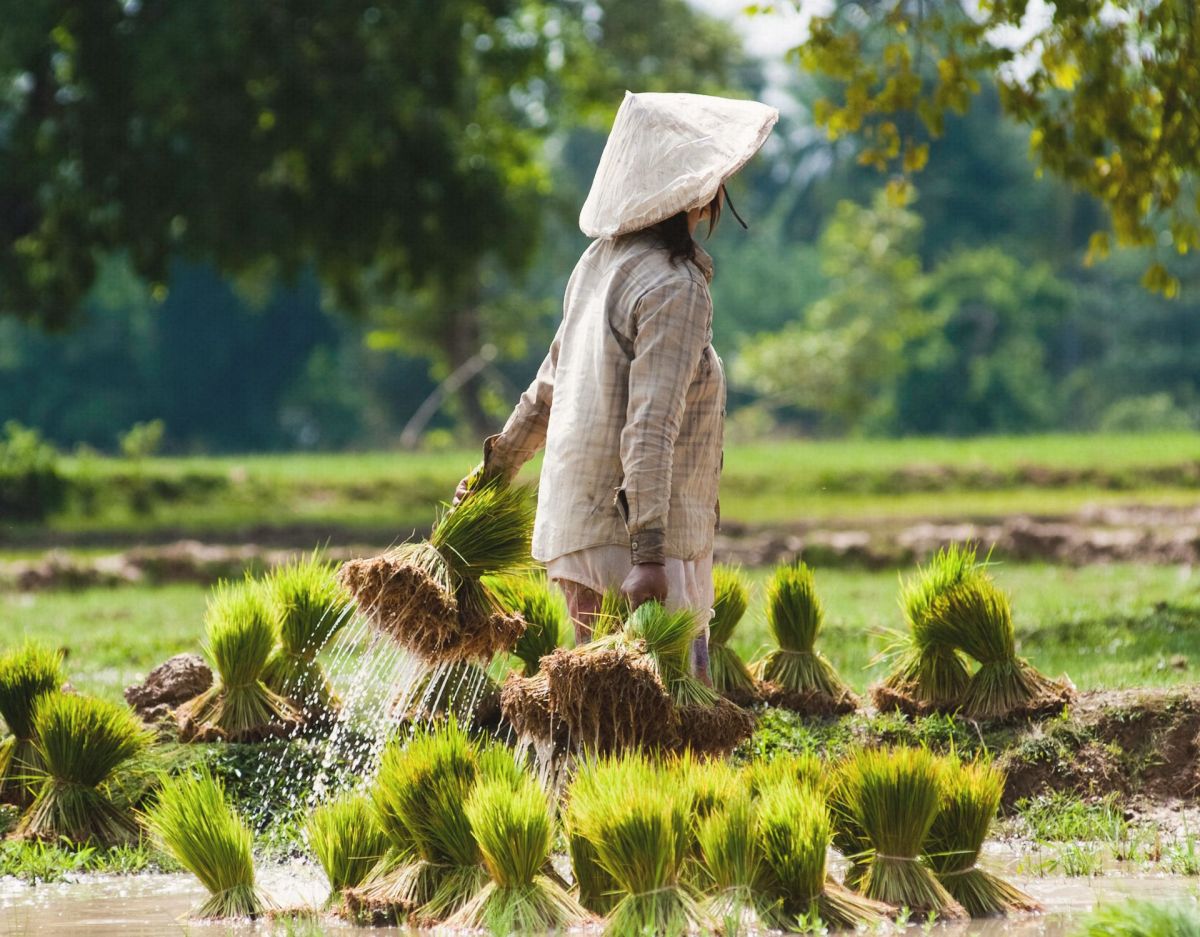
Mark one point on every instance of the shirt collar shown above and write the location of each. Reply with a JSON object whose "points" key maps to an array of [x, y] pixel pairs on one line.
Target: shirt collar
{"points": [[705, 262]]}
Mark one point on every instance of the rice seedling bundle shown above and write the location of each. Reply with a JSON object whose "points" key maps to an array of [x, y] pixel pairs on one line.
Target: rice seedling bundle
{"points": [[1142, 919], [978, 618], [27, 673], [193, 822], [794, 833], [970, 799], [801, 769], [733, 869], [638, 829], [513, 828], [730, 675], [430, 596], [348, 839], [929, 674], [241, 634], [893, 797], [422, 787], [796, 675], [544, 610], [310, 608], [80, 742]]}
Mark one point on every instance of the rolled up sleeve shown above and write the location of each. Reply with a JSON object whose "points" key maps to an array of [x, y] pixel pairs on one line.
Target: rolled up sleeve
{"points": [[672, 323]]}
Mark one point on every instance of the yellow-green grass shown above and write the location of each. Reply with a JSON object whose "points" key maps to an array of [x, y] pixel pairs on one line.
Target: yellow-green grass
{"points": [[1106, 626]]}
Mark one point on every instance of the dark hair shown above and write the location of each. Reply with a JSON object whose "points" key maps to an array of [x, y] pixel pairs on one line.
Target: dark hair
{"points": [[675, 237]]}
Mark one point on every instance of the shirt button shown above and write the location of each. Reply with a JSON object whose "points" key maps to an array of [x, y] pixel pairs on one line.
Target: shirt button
{"points": [[634, 544]]}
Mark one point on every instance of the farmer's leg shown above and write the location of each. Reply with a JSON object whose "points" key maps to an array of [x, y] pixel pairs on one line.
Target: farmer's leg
{"points": [[583, 604]]}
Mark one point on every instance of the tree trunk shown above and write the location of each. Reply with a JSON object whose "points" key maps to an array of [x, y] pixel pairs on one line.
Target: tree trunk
{"points": [[461, 342]]}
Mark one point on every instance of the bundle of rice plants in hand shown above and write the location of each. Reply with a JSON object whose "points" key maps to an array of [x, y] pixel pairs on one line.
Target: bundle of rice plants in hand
{"points": [[796, 675], [27, 673], [638, 828], [1144, 918], [734, 871], [928, 672], [430, 596], [893, 796], [348, 840], [423, 786], [514, 830], [194, 823], [730, 675], [794, 833], [310, 608], [970, 798], [978, 618], [80, 742], [241, 634], [544, 610]]}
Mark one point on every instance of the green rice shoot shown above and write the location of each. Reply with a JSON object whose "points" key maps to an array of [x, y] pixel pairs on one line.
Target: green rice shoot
{"points": [[310, 608], [81, 742], [193, 822], [666, 636], [729, 672], [733, 869], [27, 673], [544, 610], [487, 533], [348, 840], [1142, 918]]}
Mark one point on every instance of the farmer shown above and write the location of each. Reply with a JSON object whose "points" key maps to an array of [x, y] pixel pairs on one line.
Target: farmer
{"points": [[630, 401]]}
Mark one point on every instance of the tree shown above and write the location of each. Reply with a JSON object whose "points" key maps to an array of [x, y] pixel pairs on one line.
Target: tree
{"points": [[1107, 88]]}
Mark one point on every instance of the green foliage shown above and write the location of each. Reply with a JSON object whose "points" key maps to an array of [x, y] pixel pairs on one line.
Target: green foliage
{"points": [[794, 615], [1104, 97], [544, 610], [31, 482], [667, 639], [347, 839], [80, 742], [194, 822], [795, 832], [487, 533], [1142, 919]]}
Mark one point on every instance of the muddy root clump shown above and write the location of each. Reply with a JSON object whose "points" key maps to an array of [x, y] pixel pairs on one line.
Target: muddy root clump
{"points": [[714, 730], [815, 703]]}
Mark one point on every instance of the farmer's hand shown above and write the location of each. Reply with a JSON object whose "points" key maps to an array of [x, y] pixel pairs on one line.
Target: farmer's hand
{"points": [[463, 489], [645, 581]]}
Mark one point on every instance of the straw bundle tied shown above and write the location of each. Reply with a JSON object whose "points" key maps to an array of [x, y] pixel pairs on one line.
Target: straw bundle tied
{"points": [[80, 742], [734, 871], [27, 673], [310, 608], [348, 840], [193, 822], [978, 618], [730, 675], [795, 675], [971, 796], [928, 672], [242, 631], [429, 596], [891, 799], [638, 827]]}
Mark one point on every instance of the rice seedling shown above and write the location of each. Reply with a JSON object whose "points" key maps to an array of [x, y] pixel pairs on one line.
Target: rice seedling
{"points": [[348, 839], [430, 596], [193, 822], [794, 833], [310, 608], [80, 742], [1144, 918], [795, 674], [802, 769], [929, 673], [241, 634], [977, 617], [27, 673], [514, 829], [545, 612], [893, 796], [729, 672], [970, 798], [733, 869], [638, 828], [422, 787]]}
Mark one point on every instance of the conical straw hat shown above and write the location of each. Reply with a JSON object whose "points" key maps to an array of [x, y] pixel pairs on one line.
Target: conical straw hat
{"points": [[668, 153]]}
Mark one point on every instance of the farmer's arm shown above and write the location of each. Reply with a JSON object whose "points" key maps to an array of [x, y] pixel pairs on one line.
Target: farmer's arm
{"points": [[671, 323]]}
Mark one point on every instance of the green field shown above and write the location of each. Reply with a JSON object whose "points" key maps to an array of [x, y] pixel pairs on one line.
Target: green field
{"points": [[1112, 626], [304, 498]]}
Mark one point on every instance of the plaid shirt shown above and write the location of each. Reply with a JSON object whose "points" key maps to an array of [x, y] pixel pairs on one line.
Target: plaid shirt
{"points": [[630, 405]]}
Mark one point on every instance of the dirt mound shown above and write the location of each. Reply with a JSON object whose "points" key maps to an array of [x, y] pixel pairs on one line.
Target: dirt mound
{"points": [[172, 682]]}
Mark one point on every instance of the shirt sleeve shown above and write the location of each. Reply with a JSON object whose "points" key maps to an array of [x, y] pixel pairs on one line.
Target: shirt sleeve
{"points": [[672, 325], [525, 431]]}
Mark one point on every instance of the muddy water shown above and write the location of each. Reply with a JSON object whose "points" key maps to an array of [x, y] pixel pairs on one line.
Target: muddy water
{"points": [[157, 905]]}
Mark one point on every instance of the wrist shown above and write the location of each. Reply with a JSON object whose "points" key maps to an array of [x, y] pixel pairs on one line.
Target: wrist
{"points": [[647, 547]]}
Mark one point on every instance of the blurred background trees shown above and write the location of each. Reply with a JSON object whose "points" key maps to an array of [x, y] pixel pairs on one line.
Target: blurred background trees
{"points": [[278, 225]]}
